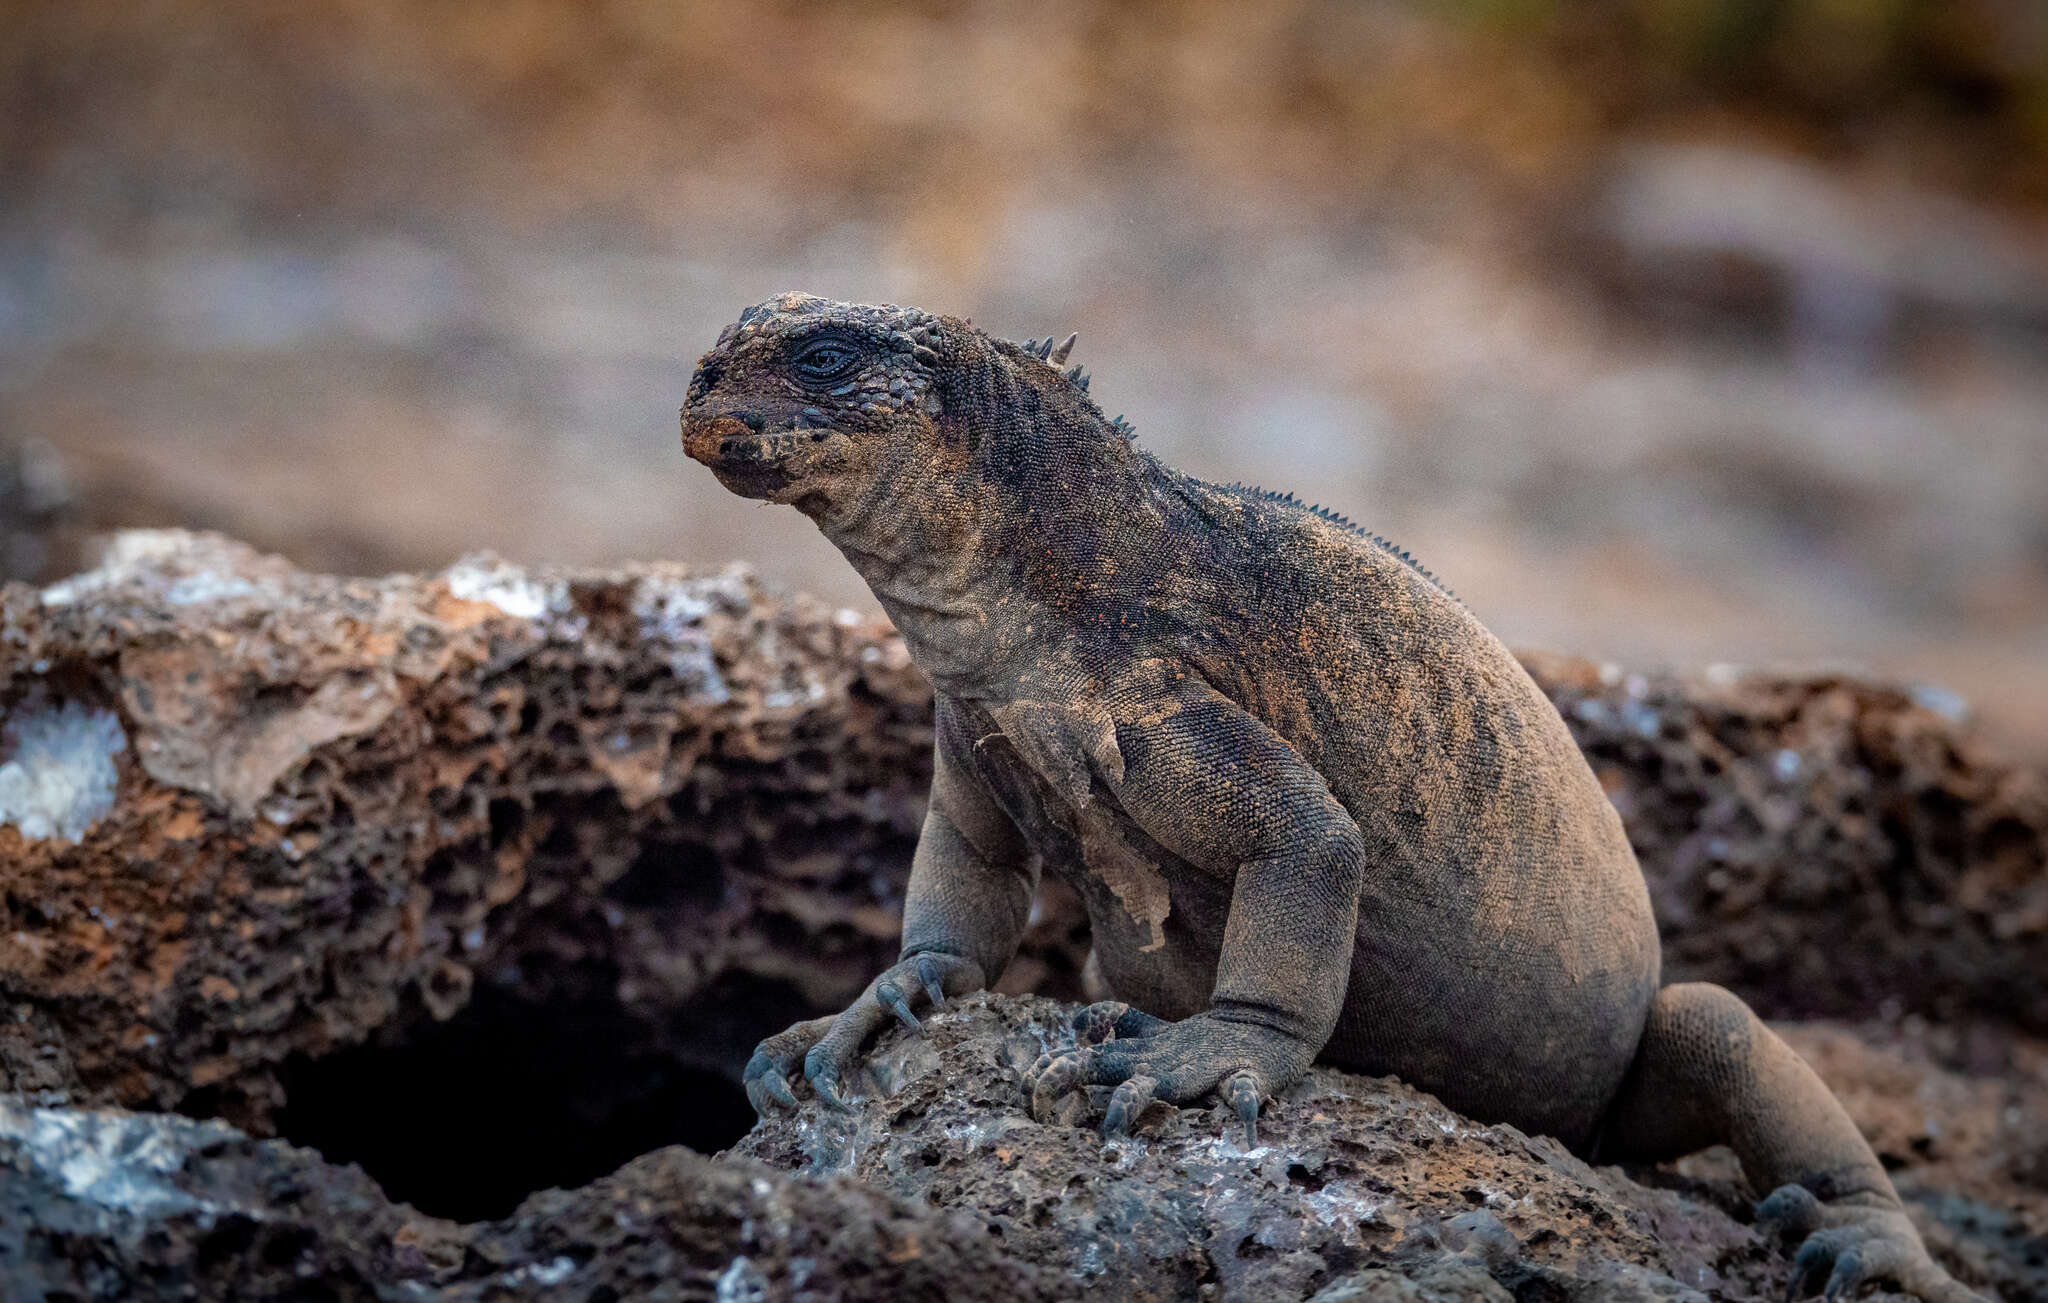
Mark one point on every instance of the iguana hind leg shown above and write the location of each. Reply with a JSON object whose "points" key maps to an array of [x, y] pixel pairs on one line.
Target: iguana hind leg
{"points": [[1709, 1072]]}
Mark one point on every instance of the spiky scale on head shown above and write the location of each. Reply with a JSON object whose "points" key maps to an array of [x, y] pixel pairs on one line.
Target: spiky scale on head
{"points": [[1055, 356]]}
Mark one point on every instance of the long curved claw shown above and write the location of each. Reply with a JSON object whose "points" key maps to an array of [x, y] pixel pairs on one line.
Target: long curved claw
{"points": [[1849, 1273], [766, 1076], [823, 1074], [891, 998], [826, 1087], [1125, 1105], [766, 1087], [1844, 1247], [1241, 1092], [1804, 1275], [932, 975], [1067, 1072], [828, 1047], [1820, 1256]]}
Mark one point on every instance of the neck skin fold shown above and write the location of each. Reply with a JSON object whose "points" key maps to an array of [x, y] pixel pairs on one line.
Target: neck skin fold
{"points": [[977, 567], [933, 574]]}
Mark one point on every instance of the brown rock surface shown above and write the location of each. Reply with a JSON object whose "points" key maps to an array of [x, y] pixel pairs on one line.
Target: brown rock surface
{"points": [[1350, 1174], [118, 1206], [1823, 844], [339, 801], [342, 805], [1357, 1180], [939, 1185]]}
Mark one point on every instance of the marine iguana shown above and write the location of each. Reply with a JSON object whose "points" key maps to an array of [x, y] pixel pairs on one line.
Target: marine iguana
{"points": [[1316, 811]]}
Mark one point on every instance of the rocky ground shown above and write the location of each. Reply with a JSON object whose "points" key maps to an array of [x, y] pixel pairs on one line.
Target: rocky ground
{"points": [[939, 1185], [486, 880]]}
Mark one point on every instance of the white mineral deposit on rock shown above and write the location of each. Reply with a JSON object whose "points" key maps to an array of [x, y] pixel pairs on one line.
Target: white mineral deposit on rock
{"points": [[59, 778], [742, 1282], [671, 613], [505, 586], [114, 1160]]}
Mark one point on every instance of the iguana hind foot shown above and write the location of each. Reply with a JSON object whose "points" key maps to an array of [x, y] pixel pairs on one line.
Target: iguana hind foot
{"points": [[1845, 1246]]}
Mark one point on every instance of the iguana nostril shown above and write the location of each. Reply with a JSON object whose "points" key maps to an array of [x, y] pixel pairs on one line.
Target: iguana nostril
{"points": [[751, 421]]}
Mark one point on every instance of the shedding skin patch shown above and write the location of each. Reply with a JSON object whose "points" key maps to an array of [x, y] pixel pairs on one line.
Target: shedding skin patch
{"points": [[1068, 747], [1135, 880]]}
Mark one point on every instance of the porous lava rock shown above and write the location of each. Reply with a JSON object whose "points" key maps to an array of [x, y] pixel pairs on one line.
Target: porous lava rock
{"points": [[1350, 1175], [114, 1206], [939, 1184], [1364, 1188], [250, 815], [255, 823], [332, 804], [1823, 844]]}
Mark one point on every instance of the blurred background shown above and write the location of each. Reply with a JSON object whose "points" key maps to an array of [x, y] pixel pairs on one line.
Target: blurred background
{"points": [[1667, 331]]}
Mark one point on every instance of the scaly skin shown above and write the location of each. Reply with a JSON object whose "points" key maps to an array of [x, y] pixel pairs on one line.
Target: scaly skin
{"points": [[1317, 812]]}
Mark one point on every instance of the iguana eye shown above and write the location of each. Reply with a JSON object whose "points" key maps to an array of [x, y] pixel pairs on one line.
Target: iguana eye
{"points": [[826, 360]]}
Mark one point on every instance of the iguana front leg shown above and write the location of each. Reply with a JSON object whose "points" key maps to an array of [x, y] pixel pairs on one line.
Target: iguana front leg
{"points": [[971, 883], [1228, 795]]}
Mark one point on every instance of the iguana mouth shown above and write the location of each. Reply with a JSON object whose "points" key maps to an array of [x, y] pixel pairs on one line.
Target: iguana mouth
{"points": [[772, 446], [749, 462]]}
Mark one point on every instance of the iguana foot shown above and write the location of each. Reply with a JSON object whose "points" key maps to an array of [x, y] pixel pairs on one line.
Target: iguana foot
{"points": [[1147, 1058], [1847, 1246], [828, 1047]]}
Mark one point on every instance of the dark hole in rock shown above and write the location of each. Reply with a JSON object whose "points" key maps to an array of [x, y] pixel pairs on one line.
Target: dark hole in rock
{"points": [[465, 1118], [672, 874]]}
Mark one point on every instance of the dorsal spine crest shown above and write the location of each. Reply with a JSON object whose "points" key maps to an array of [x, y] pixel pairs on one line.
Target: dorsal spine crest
{"points": [[1349, 526]]}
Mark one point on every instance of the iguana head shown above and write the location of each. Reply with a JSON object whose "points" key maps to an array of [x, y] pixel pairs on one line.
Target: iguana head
{"points": [[816, 403], [809, 401], [959, 473]]}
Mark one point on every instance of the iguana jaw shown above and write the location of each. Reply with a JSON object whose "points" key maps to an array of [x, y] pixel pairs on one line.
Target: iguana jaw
{"points": [[750, 463]]}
